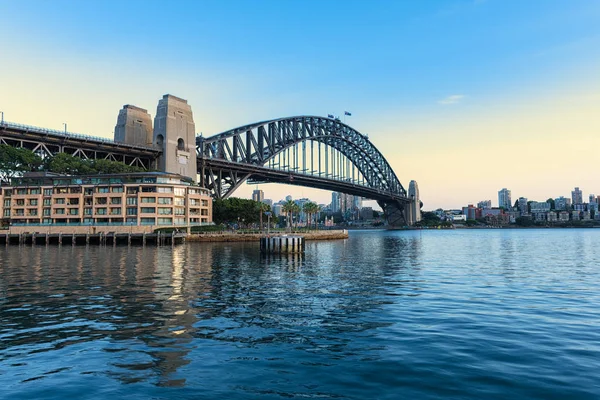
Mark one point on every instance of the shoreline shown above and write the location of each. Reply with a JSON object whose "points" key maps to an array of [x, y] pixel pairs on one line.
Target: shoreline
{"points": [[254, 237]]}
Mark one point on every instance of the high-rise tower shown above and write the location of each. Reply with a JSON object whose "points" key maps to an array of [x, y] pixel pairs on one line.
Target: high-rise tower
{"points": [[504, 199], [577, 196], [134, 126], [174, 133]]}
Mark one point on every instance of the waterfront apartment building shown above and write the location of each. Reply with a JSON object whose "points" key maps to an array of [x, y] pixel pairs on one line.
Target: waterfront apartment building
{"points": [[148, 199], [504, 199], [562, 203], [484, 204]]}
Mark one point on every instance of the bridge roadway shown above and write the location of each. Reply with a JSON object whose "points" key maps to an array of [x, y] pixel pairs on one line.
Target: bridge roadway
{"points": [[259, 174], [48, 142]]}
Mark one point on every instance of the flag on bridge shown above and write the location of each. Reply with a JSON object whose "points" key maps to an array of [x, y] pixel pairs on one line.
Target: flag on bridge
{"points": [[347, 113], [330, 116]]}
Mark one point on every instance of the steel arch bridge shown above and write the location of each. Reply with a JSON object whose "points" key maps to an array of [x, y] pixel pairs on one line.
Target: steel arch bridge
{"points": [[304, 150]]}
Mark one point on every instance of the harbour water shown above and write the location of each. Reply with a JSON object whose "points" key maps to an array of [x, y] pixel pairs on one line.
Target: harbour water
{"points": [[467, 314]]}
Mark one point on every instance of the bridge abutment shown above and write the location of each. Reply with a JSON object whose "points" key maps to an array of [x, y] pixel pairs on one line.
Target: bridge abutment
{"points": [[175, 135], [134, 126]]}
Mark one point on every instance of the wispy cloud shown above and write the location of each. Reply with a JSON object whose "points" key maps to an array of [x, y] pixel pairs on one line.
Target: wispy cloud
{"points": [[452, 99]]}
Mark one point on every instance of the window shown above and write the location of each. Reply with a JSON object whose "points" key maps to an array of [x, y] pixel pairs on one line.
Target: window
{"points": [[179, 201], [75, 190], [88, 191], [165, 189], [204, 211], [180, 144], [160, 139], [21, 191], [179, 191], [179, 221], [132, 190], [193, 191], [101, 200], [116, 189], [101, 211], [87, 211], [165, 210], [88, 220], [131, 210], [165, 200], [194, 202], [47, 221], [102, 189], [59, 211], [33, 202], [148, 189], [32, 211], [204, 203], [7, 203], [60, 190], [73, 202], [47, 202], [147, 210], [46, 212], [147, 221], [115, 200], [7, 213], [73, 211], [148, 199], [165, 221], [34, 191], [20, 202], [59, 201], [132, 201], [179, 211], [131, 220], [47, 192], [115, 211]]}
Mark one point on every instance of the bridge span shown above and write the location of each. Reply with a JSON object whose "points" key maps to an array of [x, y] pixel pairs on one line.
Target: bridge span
{"points": [[309, 151], [48, 142]]}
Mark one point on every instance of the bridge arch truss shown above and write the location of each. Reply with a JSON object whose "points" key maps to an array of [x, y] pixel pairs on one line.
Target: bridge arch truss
{"points": [[297, 150]]}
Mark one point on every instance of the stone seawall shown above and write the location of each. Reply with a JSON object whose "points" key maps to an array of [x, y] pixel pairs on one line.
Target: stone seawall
{"points": [[254, 237]]}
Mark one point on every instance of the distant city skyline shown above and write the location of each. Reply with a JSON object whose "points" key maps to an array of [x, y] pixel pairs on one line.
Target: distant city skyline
{"points": [[463, 96]]}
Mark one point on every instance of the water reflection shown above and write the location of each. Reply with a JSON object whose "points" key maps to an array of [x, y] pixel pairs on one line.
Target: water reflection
{"points": [[147, 306]]}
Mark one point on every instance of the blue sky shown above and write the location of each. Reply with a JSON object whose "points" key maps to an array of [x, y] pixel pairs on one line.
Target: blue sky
{"points": [[433, 83]]}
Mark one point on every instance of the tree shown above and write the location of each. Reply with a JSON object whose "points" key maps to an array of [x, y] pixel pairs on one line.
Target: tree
{"points": [[552, 203], [16, 160], [310, 209], [288, 208], [234, 210], [263, 208], [63, 163], [296, 209]]}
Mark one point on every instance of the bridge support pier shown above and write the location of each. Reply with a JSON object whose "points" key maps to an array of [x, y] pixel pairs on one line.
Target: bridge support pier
{"points": [[396, 214]]}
